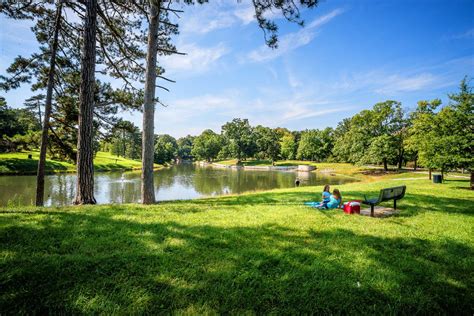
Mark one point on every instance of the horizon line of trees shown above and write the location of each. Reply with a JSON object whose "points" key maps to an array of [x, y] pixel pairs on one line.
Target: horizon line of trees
{"points": [[431, 136]]}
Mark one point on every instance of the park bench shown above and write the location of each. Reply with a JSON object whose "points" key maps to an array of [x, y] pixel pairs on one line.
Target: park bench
{"points": [[395, 193]]}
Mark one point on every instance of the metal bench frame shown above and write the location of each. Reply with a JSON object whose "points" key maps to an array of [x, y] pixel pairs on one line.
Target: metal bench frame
{"points": [[385, 195]]}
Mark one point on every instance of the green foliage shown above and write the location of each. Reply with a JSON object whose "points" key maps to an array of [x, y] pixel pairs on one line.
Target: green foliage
{"points": [[309, 145], [288, 146], [185, 146], [165, 148], [240, 137], [268, 143], [315, 145], [206, 146], [354, 137], [18, 128], [125, 140], [445, 140], [382, 148]]}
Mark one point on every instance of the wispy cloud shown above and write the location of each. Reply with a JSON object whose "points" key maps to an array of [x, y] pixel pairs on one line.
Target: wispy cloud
{"points": [[292, 41], [215, 16], [245, 14], [469, 34], [207, 22], [399, 83], [198, 59]]}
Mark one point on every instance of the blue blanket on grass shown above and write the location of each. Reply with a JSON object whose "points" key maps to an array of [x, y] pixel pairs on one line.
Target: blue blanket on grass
{"points": [[312, 204]]}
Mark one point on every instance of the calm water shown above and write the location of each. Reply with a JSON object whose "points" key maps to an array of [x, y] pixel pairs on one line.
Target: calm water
{"points": [[183, 181]]}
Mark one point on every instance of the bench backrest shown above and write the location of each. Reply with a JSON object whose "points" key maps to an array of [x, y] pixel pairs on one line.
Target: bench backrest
{"points": [[395, 193]]}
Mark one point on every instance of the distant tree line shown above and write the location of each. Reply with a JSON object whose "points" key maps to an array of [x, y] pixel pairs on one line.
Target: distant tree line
{"points": [[431, 136]]}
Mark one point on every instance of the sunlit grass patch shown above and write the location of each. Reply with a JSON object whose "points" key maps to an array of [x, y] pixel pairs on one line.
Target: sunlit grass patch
{"points": [[253, 253], [19, 163]]}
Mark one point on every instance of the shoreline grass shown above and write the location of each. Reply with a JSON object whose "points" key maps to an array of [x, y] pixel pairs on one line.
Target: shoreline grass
{"points": [[253, 253], [19, 164]]}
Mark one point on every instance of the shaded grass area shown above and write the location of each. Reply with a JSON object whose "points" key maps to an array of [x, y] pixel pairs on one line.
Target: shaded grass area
{"points": [[18, 163], [254, 253]]}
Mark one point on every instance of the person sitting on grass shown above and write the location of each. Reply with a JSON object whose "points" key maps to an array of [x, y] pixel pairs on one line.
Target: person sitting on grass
{"points": [[326, 196], [335, 201]]}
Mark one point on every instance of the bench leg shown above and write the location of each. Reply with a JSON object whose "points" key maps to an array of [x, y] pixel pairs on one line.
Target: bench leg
{"points": [[372, 210], [394, 204]]}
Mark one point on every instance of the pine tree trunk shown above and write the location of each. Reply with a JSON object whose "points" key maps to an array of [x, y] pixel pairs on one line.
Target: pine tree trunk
{"points": [[148, 138], [47, 111], [85, 152]]}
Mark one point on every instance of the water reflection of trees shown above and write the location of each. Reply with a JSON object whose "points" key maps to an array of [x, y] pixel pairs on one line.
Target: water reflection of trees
{"points": [[117, 187], [218, 181]]}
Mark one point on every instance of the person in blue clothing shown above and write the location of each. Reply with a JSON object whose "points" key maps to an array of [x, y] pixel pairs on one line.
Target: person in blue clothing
{"points": [[326, 196], [335, 201]]}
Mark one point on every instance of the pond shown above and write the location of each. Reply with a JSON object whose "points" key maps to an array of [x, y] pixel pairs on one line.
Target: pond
{"points": [[181, 181]]}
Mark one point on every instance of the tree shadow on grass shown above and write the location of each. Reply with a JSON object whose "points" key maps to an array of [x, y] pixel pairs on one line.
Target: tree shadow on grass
{"points": [[109, 262]]}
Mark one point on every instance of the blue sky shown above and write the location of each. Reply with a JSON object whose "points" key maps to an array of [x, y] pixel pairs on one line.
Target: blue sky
{"points": [[350, 55]]}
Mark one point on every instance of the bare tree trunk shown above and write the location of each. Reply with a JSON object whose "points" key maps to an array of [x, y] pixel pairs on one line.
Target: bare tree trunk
{"points": [[385, 167], [47, 111], [37, 102], [85, 152], [400, 159], [429, 173], [416, 163], [148, 137]]}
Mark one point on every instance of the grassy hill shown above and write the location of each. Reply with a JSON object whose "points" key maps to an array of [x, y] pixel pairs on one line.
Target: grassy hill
{"points": [[255, 253], [18, 163]]}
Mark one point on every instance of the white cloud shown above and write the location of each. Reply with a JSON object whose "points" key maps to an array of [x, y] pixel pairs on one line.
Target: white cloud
{"points": [[292, 41], [246, 14], [197, 59]]}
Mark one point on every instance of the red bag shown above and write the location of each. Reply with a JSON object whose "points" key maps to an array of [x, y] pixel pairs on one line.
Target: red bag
{"points": [[352, 207]]}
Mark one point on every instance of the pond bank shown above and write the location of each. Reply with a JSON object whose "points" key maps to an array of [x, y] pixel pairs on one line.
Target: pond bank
{"points": [[300, 168]]}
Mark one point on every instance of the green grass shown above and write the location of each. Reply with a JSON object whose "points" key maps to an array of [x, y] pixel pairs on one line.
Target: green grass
{"points": [[254, 253], [18, 163]]}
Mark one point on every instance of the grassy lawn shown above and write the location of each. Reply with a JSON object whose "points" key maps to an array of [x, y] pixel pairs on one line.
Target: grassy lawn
{"points": [[18, 163], [254, 253]]}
